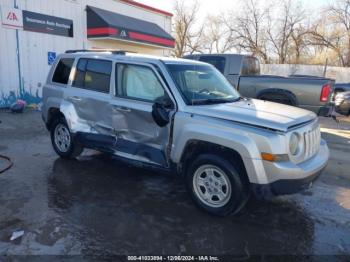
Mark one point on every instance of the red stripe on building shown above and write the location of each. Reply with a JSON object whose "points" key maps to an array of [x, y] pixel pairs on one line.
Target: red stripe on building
{"points": [[18, 26], [147, 7], [102, 31], [151, 39]]}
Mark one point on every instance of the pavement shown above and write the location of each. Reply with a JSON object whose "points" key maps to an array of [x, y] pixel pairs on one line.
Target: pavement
{"points": [[96, 206]]}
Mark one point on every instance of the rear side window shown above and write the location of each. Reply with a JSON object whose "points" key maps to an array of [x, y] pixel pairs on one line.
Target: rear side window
{"points": [[93, 74], [62, 71], [217, 61], [251, 66]]}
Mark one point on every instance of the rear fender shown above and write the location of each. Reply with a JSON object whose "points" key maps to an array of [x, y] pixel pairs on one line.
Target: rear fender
{"points": [[271, 91], [75, 123]]}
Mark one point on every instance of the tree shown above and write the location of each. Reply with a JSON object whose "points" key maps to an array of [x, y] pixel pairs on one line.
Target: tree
{"points": [[187, 37], [332, 31], [218, 38], [299, 45], [249, 29], [282, 29]]}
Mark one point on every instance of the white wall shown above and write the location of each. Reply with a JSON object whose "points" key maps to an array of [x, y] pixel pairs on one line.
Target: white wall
{"points": [[33, 47], [340, 74]]}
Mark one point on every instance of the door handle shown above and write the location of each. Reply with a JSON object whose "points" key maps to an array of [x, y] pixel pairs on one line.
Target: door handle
{"points": [[75, 98], [121, 108]]}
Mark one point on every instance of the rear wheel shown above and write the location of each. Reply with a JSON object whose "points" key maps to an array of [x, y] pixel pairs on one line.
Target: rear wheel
{"points": [[215, 185], [62, 140]]}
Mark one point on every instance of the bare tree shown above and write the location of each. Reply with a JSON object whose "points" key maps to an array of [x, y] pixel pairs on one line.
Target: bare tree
{"points": [[187, 37], [282, 27], [249, 29], [195, 41], [299, 46], [333, 31], [218, 38]]}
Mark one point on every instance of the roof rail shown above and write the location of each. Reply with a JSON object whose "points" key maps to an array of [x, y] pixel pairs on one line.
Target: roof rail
{"points": [[113, 51]]}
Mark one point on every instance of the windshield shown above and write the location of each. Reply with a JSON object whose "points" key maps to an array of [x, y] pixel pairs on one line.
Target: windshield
{"points": [[202, 84]]}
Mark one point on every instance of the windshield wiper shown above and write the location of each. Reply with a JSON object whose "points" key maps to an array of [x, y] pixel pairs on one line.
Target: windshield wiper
{"points": [[210, 101]]}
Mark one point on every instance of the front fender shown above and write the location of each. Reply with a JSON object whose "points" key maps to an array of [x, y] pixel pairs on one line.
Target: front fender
{"points": [[200, 129]]}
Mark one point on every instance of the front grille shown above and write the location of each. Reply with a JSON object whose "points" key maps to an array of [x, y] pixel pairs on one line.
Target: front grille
{"points": [[312, 142]]}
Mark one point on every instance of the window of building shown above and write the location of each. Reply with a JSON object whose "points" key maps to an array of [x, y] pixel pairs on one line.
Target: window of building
{"points": [[93, 74], [62, 71]]}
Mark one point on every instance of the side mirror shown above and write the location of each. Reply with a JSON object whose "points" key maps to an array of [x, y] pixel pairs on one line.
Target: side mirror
{"points": [[160, 111]]}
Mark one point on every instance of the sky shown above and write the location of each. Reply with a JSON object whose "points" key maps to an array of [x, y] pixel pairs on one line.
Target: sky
{"points": [[219, 6]]}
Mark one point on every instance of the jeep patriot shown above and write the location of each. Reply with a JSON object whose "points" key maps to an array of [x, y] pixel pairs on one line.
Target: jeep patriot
{"points": [[184, 117]]}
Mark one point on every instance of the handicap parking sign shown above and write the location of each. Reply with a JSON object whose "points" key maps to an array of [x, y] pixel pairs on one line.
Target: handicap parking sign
{"points": [[51, 56]]}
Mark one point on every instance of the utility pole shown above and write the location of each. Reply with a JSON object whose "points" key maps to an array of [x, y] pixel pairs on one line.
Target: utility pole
{"points": [[325, 68], [21, 91]]}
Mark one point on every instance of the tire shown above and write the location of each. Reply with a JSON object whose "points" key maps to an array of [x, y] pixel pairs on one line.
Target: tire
{"points": [[234, 190], [66, 147]]}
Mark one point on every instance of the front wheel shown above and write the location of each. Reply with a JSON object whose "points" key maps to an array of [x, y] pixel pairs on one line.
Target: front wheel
{"points": [[62, 140], [216, 185]]}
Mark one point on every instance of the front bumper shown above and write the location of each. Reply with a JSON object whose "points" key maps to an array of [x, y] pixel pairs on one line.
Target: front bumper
{"points": [[289, 178], [284, 187]]}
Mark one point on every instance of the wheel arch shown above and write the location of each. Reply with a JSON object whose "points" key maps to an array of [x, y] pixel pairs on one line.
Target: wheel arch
{"points": [[278, 91], [194, 148], [52, 114], [339, 89]]}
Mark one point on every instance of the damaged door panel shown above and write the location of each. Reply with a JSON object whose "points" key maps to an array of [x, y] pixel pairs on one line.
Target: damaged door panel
{"points": [[89, 108], [89, 95], [137, 87]]}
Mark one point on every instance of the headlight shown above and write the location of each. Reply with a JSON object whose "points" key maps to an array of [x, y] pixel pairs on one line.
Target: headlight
{"points": [[295, 145]]}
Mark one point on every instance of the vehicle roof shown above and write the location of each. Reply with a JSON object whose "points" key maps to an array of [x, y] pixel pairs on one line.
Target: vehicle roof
{"points": [[233, 64], [133, 57], [226, 54]]}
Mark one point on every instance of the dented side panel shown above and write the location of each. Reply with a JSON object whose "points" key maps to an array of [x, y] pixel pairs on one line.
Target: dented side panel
{"points": [[132, 121], [75, 123], [91, 107], [118, 125]]}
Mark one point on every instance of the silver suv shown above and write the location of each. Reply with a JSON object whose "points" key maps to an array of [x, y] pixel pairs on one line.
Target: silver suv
{"points": [[183, 117]]}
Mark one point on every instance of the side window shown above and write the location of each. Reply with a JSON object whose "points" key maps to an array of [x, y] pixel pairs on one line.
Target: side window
{"points": [[80, 73], [217, 61], [138, 82], [93, 74], [251, 66], [62, 71]]}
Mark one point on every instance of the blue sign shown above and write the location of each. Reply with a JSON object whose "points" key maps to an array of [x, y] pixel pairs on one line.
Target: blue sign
{"points": [[51, 56]]}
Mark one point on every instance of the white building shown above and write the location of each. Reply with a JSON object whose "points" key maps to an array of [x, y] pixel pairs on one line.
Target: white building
{"points": [[33, 32]]}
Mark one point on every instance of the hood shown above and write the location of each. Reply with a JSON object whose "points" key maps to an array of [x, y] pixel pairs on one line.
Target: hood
{"points": [[256, 112]]}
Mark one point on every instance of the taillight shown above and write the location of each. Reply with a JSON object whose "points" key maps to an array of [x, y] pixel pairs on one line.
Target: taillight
{"points": [[326, 91]]}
